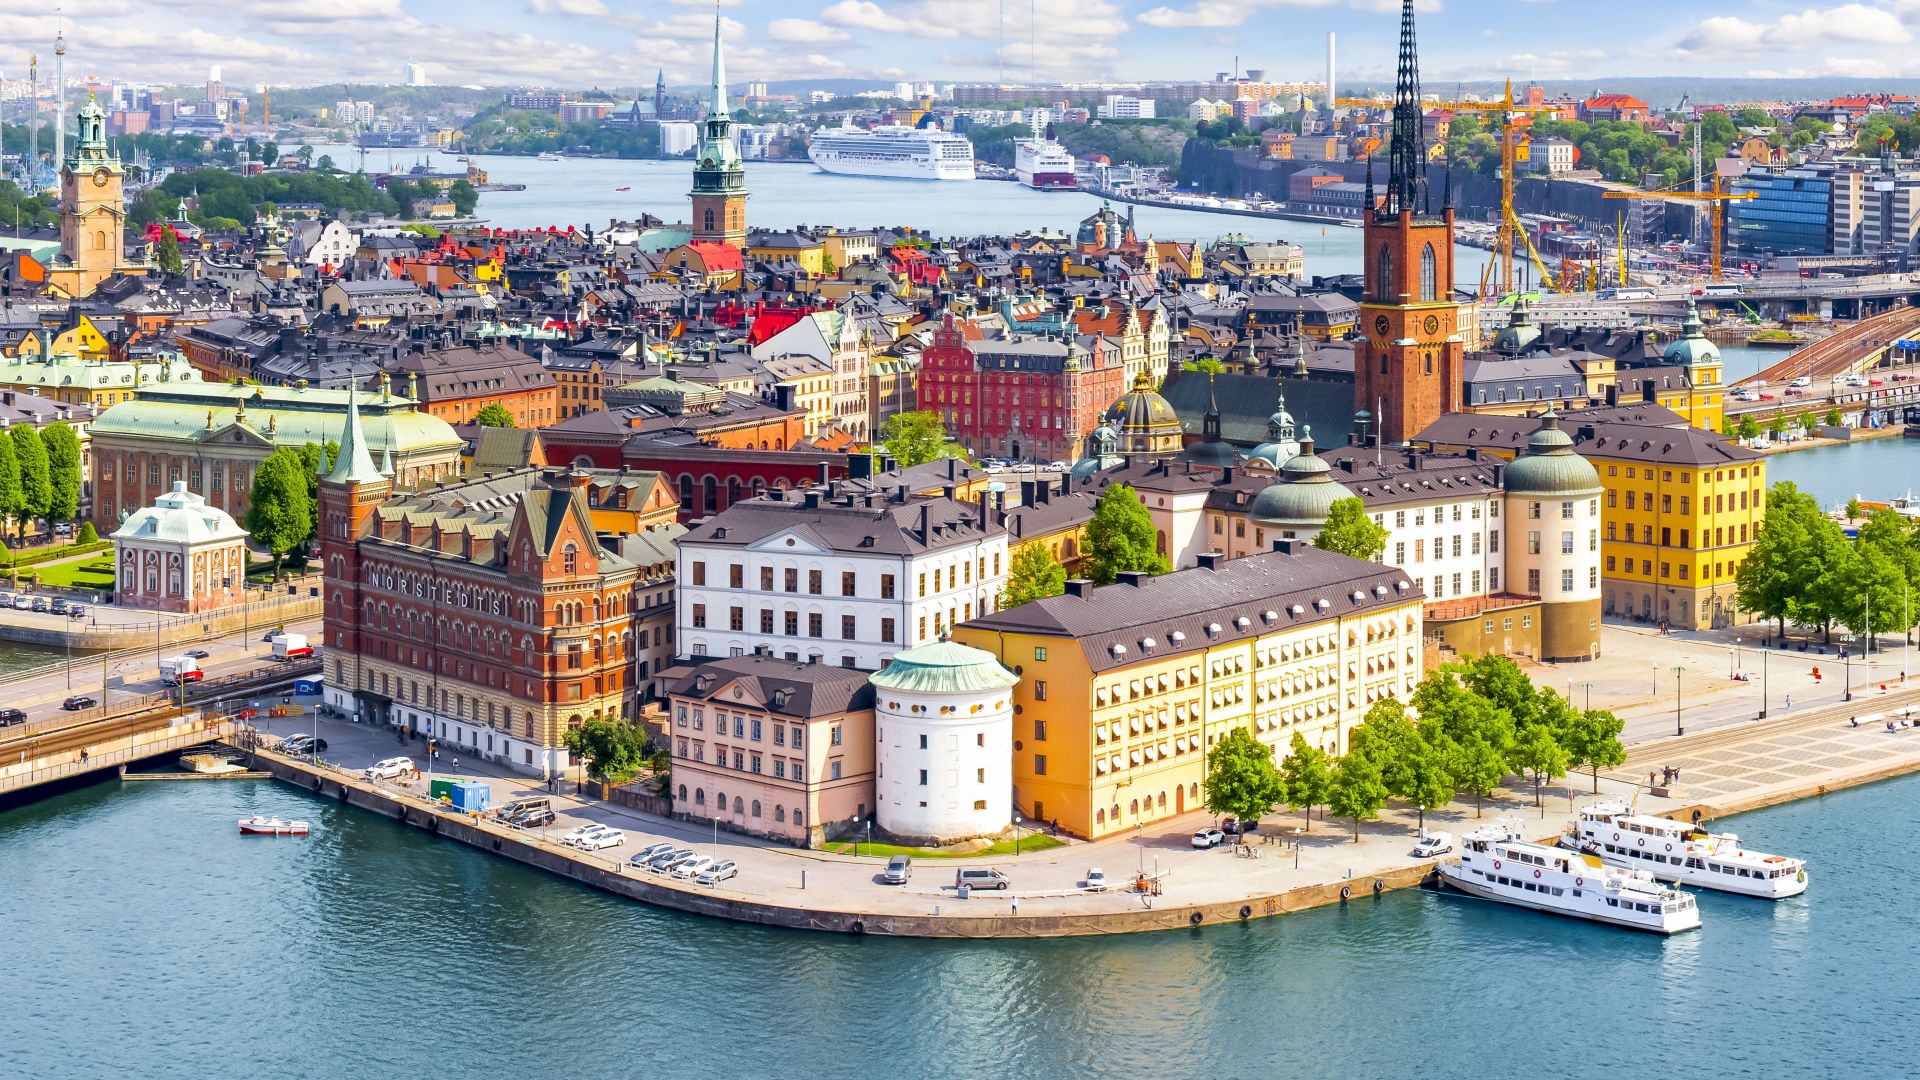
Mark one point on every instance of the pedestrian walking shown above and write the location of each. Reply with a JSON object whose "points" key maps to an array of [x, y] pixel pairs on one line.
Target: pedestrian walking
{"points": [[1789, 701], [1650, 781]]}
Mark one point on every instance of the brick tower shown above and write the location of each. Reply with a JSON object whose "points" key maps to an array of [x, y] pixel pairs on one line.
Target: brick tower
{"points": [[348, 496], [719, 192], [1407, 368]]}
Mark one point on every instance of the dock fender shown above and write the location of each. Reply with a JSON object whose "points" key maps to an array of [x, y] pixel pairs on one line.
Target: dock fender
{"points": [[1379, 886], [1246, 911], [1194, 918], [433, 824], [858, 927], [1346, 892]]}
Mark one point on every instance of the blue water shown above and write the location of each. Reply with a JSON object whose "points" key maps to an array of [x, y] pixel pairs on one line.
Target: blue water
{"points": [[144, 937]]}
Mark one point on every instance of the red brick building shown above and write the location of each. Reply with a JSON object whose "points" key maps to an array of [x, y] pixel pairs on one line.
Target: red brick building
{"points": [[1408, 365], [487, 613], [1024, 397]]}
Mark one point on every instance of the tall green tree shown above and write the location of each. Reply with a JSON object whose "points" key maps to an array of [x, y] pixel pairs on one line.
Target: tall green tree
{"points": [[1796, 562], [464, 197], [1121, 537], [1033, 574], [1538, 753], [166, 253], [1242, 779], [63, 471], [279, 510], [613, 749], [1592, 741], [1350, 531], [1358, 792], [494, 415], [1427, 764], [36, 477], [1478, 768], [1307, 774], [13, 503], [915, 438]]}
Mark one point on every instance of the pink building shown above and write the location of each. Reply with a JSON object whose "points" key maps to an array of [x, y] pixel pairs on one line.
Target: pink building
{"points": [[777, 748], [180, 554]]}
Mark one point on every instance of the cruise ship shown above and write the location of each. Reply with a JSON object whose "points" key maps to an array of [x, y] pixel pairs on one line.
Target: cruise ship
{"points": [[1495, 864], [1682, 853], [898, 152], [1043, 165]]}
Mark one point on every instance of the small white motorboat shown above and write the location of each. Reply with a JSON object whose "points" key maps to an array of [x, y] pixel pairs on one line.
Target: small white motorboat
{"points": [[272, 826]]}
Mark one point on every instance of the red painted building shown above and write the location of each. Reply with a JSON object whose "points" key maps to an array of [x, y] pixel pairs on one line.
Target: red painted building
{"points": [[1030, 398]]}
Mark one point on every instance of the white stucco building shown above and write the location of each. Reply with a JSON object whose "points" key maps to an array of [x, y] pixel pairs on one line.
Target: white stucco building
{"points": [[943, 744], [179, 554], [844, 577]]}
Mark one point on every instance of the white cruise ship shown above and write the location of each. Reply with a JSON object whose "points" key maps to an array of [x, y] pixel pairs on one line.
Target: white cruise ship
{"points": [[1682, 853], [898, 152], [1043, 165], [1495, 864]]}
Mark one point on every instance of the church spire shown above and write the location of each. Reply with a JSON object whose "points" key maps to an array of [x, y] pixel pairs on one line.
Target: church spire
{"points": [[717, 106], [354, 465], [1407, 154]]}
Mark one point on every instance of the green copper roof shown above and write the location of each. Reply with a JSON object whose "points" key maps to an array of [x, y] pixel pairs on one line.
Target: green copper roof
{"points": [[1549, 465], [944, 667], [355, 465], [280, 415]]}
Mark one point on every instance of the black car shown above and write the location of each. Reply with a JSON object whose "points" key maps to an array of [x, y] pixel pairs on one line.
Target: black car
{"points": [[198, 654], [304, 744], [10, 717], [531, 819], [78, 702]]}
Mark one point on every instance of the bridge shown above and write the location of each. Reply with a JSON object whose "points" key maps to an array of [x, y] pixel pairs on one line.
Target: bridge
{"points": [[1853, 348], [132, 729]]}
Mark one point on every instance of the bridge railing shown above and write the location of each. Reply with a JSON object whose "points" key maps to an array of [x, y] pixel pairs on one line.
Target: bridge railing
{"points": [[192, 735]]}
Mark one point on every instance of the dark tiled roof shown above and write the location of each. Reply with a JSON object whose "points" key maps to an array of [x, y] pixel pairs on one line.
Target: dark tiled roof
{"points": [[1189, 610], [788, 687], [850, 523]]}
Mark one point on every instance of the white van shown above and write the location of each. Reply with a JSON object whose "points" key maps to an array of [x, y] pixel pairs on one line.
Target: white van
{"points": [[984, 877]]}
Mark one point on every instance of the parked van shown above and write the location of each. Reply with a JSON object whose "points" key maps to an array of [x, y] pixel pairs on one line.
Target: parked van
{"points": [[984, 877]]}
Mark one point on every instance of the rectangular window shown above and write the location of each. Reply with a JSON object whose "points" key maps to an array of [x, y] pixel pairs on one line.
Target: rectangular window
{"points": [[1566, 581], [833, 735], [779, 768], [754, 728], [814, 624], [753, 763], [736, 618], [779, 735], [846, 627], [923, 778], [1040, 690], [766, 621], [766, 579], [1533, 542], [699, 573], [1566, 543], [1039, 764], [791, 619], [798, 734], [1533, 582], [886, 588], [1040, 653], [846, 583], [700, 616], [736, 576], [792, 579], [1593, 577], [886, 630], [833, 769], [1040, 731], [813, 582], [1566, 511]]}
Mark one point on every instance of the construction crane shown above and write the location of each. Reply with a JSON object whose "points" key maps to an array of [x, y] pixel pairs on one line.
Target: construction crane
{"points": [[1509, 228], [1717, 219]]}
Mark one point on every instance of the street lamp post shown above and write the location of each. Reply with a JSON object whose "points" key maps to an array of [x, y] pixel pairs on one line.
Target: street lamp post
{"points": [[1765, 654], [1588, 687], [869, 835], [1678, 727], [1016, 836]]}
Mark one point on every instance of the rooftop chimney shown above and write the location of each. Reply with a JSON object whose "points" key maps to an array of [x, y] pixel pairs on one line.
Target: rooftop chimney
{"points": [[1208, 560], [1135, 578], [1080, 587]]}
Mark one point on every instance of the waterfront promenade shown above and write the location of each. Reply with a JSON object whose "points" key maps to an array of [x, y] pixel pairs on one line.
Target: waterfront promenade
{"points": [[1724, 770]]}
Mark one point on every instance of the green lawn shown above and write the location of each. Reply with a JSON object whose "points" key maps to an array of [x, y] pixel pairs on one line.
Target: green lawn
{"points": [[1029, 842], [82, 574]]}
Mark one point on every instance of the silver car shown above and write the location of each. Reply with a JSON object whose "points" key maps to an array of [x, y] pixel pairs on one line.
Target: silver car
{"points": [[717, 873]]}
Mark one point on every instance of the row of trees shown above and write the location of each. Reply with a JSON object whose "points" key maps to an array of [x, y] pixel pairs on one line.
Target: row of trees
{"points": [[1478, 722], [229, 201], [1804, 569], [1748, 428], [39, 475], [283, 506]]}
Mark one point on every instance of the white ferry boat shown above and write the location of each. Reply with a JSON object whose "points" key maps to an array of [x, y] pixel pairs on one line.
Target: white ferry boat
{"points": [[1495, 864], [898, 152], [1687, 854], [1043, 165]]}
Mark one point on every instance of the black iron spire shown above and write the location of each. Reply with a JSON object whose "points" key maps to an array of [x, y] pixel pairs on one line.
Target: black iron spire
{"points": [[1371, 208], [1407, 183]]}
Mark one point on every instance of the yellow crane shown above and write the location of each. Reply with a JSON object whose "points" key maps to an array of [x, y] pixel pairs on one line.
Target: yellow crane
{"points": [[1717, 218], [1509, 228]]}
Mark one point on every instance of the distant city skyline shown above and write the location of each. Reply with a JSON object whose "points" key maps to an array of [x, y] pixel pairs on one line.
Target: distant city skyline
{"points": [[616, 42]]}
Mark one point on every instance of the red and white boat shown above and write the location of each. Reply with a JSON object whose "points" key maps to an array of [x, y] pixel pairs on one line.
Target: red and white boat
{"points": [[1043, 165], [273, 826]]}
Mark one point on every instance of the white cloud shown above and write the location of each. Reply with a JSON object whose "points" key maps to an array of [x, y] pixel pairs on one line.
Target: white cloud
{"points": [[589, 8], [1555, 62], [865, 15], [1208, 13], [805, 32], [1721, 35]]}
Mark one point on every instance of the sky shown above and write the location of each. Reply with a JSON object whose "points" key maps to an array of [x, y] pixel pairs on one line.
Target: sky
{"points": [[574, 43]]}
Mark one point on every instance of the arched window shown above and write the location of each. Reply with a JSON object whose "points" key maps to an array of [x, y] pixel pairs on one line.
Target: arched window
{"points": [[798, 817], [1429, 272], [699, 796], [739, 805], [780, 814], [756, 808], [683, 793], [569, 560], [1383, 275], [1429, 363]]}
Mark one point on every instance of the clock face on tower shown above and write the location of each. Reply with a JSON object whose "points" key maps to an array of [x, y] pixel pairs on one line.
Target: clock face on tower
{"points": [[1380, 324], [1432, 325], [100, 177]]}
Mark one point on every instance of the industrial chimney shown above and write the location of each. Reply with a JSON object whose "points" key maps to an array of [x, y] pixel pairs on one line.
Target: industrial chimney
{"points": [[1331, 93]]}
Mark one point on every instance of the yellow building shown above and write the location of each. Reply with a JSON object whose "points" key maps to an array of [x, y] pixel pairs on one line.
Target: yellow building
{"points": [[1681, 509], [73, 381], [776, 248], [812, 383], [82, 340], [1124, 689]]}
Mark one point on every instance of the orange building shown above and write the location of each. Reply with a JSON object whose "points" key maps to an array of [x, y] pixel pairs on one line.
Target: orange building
{"points": [[456, 384]]}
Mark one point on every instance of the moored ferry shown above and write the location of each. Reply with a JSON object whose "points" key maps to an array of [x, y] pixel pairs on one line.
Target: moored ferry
{"points": [[1495, 864], [1043, 164], [1688, 854]]}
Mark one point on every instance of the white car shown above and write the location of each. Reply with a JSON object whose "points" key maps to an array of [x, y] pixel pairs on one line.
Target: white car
{"points": [[1437, 843], [1803, 380], [1096, 880], [1207, 838], [390, 769], [605, 838], [581, 833], [717, 873], [692, 867]]}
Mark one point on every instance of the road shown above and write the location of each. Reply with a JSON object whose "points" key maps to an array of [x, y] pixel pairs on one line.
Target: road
{"points": [[1841, 352], [130, 671]]}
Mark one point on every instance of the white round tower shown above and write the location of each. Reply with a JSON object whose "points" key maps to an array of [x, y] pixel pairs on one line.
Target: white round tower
{"points": [[943, 734]]}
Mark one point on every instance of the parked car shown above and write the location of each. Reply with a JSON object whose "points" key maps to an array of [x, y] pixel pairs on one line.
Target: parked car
{"points": [[581, 832], [1802, 380], [60, 605], [899, 870], [1233, 826], [648, 854], [40, 604], [1096, 880], [537, 818], [303, 744], [22, 602], [605, 838], [718, 872], [198, 654], [981, 877], [78, 702], [663, 863], [390, 768], [77, 611], [692, 867], [1207, 838], [63, 529], [10, 717], [1436, 843]]}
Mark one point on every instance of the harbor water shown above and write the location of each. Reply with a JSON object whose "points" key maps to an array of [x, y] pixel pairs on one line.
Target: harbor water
{"points": [[146, 937]]}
